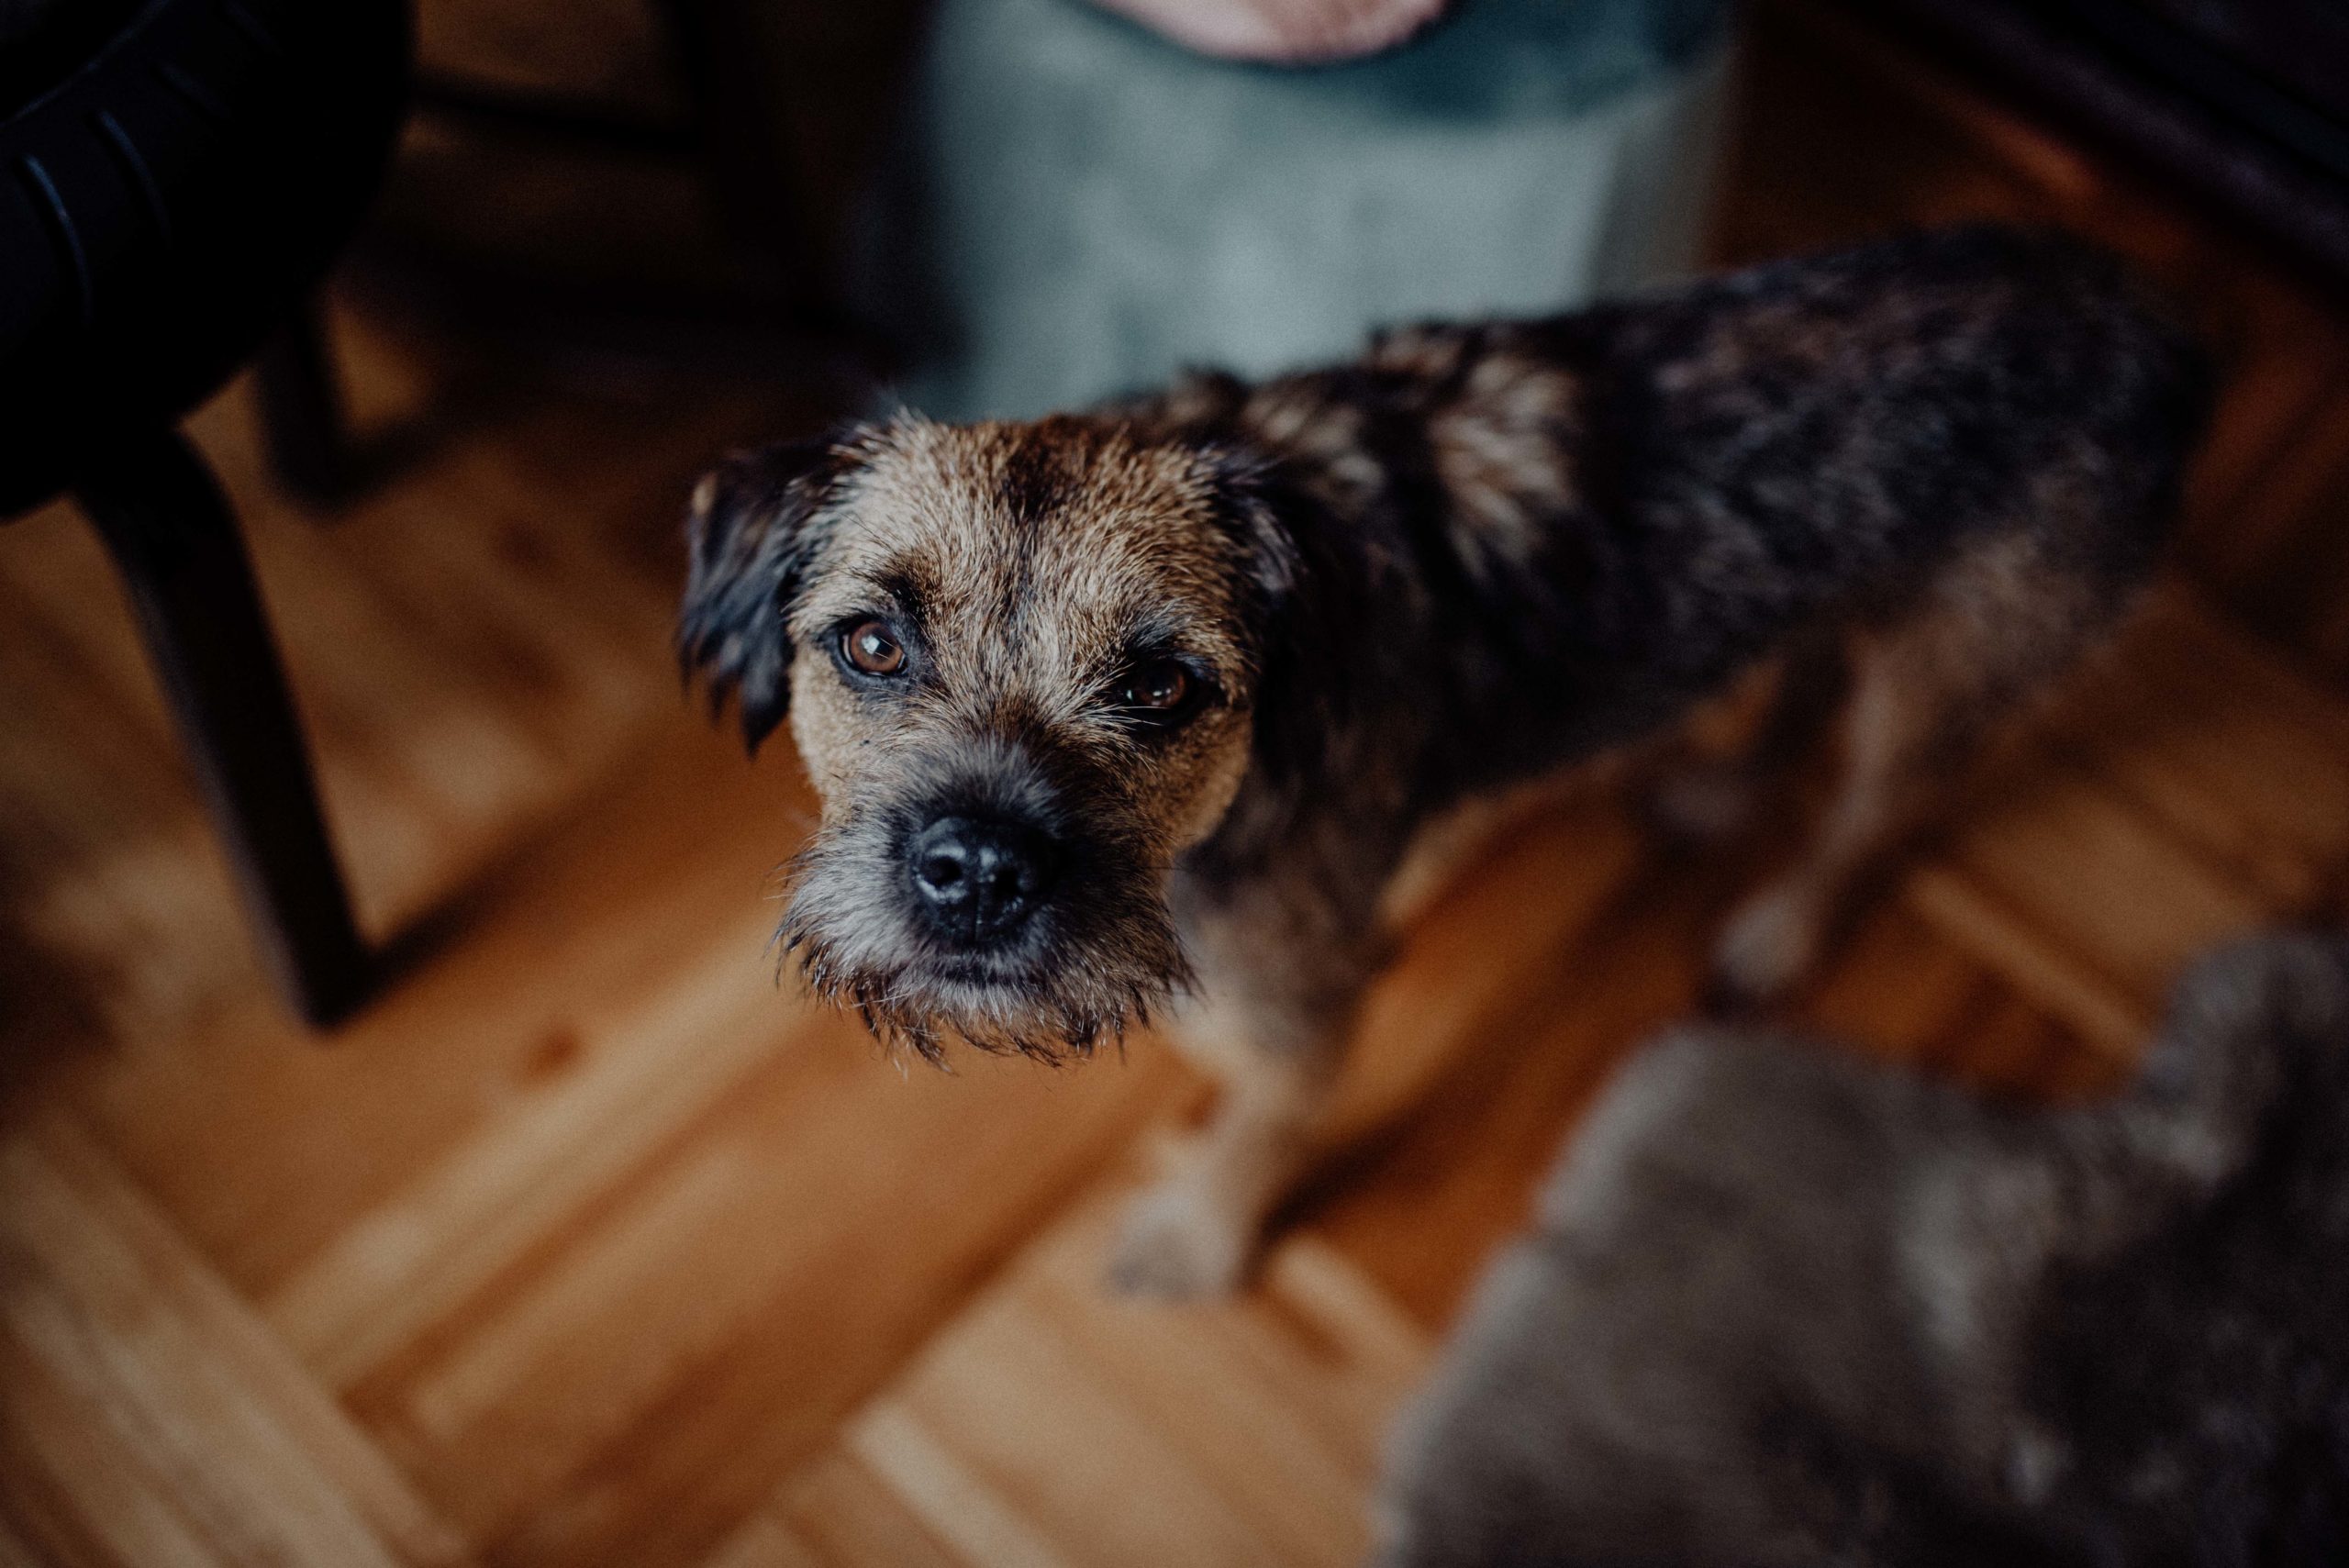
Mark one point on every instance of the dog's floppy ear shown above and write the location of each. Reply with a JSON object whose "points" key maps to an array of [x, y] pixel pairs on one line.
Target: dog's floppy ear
{"points": [[757, 521], [1257, 511], [1305, 589]]}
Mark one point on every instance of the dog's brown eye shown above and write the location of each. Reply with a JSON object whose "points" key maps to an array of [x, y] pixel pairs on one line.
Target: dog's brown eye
{"points": [[872, 648], [1159, 687]]}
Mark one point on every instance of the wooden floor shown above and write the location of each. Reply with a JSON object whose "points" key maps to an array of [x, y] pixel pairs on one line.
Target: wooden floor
{"points": [[588, 1244]]}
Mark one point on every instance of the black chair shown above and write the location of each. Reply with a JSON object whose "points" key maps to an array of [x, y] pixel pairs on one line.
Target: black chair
{"points": [[175, 176]]}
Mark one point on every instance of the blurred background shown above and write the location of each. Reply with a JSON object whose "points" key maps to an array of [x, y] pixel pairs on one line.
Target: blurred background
{"points": [[568, 1236]]}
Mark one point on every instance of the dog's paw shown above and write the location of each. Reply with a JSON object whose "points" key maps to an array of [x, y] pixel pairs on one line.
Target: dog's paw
{"points": [[1770, 946], [1179, 1245]]}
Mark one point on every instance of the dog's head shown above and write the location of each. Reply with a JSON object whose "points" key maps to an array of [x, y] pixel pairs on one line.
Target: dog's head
{"points": [[1021, 663]]}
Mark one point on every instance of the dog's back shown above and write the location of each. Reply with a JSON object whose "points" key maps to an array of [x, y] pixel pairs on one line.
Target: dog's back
{"points": [[1785, 1307], [1798, 428], [1816, 437]]}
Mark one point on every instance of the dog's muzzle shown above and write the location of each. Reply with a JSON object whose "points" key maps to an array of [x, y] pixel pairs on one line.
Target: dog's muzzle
{"points": [[978, 878]]}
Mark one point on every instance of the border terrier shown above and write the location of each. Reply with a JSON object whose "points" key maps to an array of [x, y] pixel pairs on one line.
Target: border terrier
{"points": [[1142, 709]]}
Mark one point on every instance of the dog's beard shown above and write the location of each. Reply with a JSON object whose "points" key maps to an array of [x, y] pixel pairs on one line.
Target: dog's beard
{"points": [[1096, 962]]}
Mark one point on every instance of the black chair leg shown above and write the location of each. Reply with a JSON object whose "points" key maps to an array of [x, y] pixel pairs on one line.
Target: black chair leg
{"points": [[191, 589], [301, 417]]}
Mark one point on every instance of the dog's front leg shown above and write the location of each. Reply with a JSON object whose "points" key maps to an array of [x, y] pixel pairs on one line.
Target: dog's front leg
{"points": [[1195, 1233], [1270, 1023]]}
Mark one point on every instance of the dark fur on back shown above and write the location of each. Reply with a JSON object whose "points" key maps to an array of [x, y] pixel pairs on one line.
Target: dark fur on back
{"points": [[1786, 1307], [1556, 534]]}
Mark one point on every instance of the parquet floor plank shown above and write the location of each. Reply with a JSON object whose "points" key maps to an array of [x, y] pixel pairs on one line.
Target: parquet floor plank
{"points": [[826, 1199], [1054, 1426], [839, 1511], [149, 1401], [538, 996]]}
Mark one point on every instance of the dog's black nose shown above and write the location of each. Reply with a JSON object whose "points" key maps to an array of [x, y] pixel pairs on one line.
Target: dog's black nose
{"points": [[981, 878]]}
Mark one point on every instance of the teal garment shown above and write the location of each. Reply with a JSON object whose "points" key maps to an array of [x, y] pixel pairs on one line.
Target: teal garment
{"points": [[1080, 208]]}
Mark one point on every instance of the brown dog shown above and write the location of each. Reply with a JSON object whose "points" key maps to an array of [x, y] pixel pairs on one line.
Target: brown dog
{"points": [[1147, 705]]}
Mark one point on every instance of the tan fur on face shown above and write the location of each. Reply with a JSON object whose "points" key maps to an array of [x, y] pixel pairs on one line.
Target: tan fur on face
{"points": [[1028, 568], [1040, 553]]}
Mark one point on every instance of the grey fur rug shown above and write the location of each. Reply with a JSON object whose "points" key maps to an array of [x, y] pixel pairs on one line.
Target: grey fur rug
{"points": [[1785, 1307]]}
